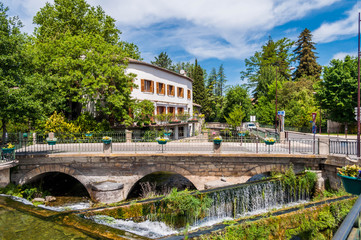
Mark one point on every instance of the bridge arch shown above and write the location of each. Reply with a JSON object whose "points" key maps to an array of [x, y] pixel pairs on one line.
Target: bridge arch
{"points": [[56, 168], [265, 169], [141, 172]]}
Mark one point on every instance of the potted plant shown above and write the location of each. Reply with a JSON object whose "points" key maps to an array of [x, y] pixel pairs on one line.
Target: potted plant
{"points": [[107, 140], [193, 119], [88, 134], [8, 149], [167, 133], [51, 141], [241, 133], [351, 178], [269, 141], [217, 140], [162, 140], [175, 121]]}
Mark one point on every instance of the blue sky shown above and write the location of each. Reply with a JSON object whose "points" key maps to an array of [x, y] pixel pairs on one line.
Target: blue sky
{"points": [[222, 32]]}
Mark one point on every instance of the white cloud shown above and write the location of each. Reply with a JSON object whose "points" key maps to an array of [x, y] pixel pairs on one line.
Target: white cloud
{"points": [[329, 32], [342, 55], [203, 28]]}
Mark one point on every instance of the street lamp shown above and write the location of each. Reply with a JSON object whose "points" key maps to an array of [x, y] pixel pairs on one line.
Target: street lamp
{"points": [[358, 90], [276, 112]]}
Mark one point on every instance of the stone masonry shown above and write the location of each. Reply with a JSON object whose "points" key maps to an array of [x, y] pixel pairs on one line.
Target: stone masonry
{"points": [[92, 169]]}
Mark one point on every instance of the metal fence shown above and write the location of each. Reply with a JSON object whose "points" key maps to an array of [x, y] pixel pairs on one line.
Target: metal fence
{"points": [[189, 145], [343, 147], [351, 225]]}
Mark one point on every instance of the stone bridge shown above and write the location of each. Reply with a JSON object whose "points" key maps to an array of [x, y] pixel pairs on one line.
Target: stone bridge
{"points": [[125, 170]]}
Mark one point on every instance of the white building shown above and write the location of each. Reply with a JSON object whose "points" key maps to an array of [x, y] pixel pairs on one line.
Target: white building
{"points": [[169, 91]]}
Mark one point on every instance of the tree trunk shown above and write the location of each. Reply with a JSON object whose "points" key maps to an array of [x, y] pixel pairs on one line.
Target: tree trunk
{"points": [[4, 131]]}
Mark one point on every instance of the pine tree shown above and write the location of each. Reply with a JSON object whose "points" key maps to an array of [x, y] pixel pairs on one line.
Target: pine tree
{"points": [[199, 91], [163, 61], [306, 56], [212, 81], [221, 80]]}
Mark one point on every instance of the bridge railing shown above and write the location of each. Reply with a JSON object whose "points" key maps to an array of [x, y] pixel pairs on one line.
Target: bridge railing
{"points": [[343, 147], [189, 145], [351, 225]]}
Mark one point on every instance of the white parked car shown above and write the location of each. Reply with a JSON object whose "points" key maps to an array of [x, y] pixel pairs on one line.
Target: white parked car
{"points": [[250, 126]]}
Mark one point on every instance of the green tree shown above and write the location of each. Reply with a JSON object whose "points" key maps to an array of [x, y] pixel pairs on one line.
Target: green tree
{"points": [[237, 96], [163, 61], [337, 92], [77, 49], [221, 81], [199, 91], [276, 54], [143, 112], [235, 118], [306, 57], [18, 99]]}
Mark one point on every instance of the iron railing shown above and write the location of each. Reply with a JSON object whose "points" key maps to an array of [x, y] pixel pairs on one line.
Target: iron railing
{"points": [[343, 147], [188, 145], [351, 225]]}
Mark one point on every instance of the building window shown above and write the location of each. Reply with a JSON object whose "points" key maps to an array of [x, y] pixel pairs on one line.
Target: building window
{"points": [[181, 132], [180, 110], [180, 92], [161, 88], [171, 110], [189, 94], [170, 90], [160, 110], [147, 86]]}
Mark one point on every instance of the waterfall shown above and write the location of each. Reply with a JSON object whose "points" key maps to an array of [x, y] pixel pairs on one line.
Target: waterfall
{"points": [[243, 199]]}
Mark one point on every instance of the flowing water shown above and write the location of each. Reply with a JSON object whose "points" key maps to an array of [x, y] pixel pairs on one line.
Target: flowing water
{"points": [[242, 200], [229, 203]]}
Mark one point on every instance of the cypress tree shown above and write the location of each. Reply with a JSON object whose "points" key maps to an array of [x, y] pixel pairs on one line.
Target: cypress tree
{"points": [[306, 56], [199, 90]]}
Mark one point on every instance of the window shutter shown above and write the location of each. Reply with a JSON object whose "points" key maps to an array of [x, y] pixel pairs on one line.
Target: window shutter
{"points": [[173, 90], [163, 88], [158, 87], [151, 86], [142, 85]]}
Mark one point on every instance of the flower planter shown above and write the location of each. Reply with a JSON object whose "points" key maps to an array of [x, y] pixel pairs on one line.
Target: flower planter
{"points": [[217, 141], [25, 135], [88, 134], [7, 150], [241, 134], [167, 134], [175, 122], [51, 142], [351, 184], [193, 120], [107, 141], [154, 123], [161, 142], [269, 143]]}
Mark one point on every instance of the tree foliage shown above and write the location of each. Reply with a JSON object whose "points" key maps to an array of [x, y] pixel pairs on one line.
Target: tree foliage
{"points": [[77, 50], [306, 57], [199, 91], [163, 61], [237, 96], [337, 92], [235, 118], [276, 54]]}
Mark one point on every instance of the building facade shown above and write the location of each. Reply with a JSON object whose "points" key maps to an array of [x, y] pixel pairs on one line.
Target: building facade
{"points": [[170, 92]]}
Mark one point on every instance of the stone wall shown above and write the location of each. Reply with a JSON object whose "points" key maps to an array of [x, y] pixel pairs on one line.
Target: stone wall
{"points": [[91, 169]]}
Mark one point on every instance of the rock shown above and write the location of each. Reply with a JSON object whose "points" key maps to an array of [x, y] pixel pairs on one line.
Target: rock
{"points": [[39, 200], [216, 184], [50, 198], [107, 186], [223, 179]]}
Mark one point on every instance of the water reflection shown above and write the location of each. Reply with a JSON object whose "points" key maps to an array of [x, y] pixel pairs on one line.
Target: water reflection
{"points": [[17, 225]]}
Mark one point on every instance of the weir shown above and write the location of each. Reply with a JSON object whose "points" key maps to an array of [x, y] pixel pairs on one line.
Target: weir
{"points": [[227, 202]]}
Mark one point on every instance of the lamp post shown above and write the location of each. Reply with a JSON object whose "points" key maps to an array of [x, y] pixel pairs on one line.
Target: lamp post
{"points": [[358, 90], [276, 112]]}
